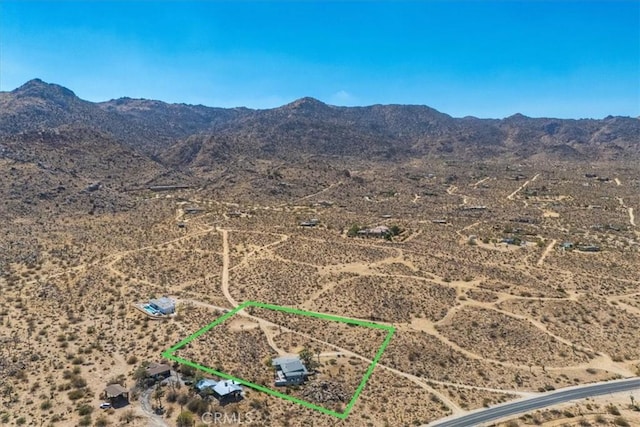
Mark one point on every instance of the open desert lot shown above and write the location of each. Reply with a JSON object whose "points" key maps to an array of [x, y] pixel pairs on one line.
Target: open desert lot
{"points": [[497, 288]]}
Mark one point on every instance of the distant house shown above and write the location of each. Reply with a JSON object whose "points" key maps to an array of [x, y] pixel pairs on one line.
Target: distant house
{"points": [[168, 187], [566, 245], [509, 241], [164, 305], [310, 223], [193, 210], [289, 371], [221, 390], [589, 248], [158, 371], [379, 231]]}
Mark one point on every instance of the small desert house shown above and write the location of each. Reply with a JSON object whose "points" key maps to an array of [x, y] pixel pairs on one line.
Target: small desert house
{"points": [[310, 223], [164, 305], [289, 370], [116, 395], [158, 371], [379, 231], [221, 390]]}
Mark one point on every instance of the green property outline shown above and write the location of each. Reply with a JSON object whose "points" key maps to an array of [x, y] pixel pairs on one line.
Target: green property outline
{"points": [[168, 354]]}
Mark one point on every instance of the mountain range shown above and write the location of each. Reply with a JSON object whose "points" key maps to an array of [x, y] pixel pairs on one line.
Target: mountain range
{"points": [[184, 136], [54, 145]]}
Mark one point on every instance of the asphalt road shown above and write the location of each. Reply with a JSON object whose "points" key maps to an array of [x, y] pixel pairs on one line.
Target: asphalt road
{"points": [[530, 403]]}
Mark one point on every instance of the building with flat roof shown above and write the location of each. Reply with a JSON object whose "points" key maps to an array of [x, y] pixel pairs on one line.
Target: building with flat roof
{"points": [[164, 305], [289, 370], [379, 231]]}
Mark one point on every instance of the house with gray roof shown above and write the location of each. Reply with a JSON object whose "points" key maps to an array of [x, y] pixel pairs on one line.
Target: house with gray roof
{"points": [[221, 390], [289, 370], [164, 305]]}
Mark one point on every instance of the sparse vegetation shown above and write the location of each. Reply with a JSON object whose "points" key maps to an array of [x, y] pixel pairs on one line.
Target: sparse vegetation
{"points": [[475, 277]]}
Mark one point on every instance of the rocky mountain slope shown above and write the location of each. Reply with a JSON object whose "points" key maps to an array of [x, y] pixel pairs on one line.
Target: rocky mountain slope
{"points": [[196, 137]]}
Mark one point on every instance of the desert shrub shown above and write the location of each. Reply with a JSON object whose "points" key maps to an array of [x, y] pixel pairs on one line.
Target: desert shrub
{"points": [[619, 421], [198, 406], [128, 416], [76, 394], [172, 396], [185, 419], [182, 399], [79, 382], [613, 410], [85, 409], [600, 419]]}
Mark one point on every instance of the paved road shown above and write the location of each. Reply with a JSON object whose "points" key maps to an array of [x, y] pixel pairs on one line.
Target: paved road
{"points": [[547, 399]]}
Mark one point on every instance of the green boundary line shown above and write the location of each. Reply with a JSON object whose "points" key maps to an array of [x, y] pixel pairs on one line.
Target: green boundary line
{"points": [[169, 353]]}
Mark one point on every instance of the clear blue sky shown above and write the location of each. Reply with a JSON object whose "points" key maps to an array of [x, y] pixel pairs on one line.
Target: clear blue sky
{"points": [[488, 59]]}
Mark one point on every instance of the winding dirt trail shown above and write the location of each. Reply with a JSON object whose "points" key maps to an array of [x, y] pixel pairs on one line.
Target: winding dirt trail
{"points": [[225, 268], [632, 218], [479, 182]]}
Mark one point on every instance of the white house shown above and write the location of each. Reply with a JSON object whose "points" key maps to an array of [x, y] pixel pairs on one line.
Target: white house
{"points": [[164, 305]]}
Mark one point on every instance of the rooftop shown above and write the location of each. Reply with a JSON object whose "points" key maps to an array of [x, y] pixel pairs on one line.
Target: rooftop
{"points": [[157, 369], [224, 388], [289, 364], [206, 383], [115, 390], [163, 302]]}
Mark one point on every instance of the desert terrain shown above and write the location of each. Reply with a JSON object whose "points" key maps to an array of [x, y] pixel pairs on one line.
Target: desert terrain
{"points": [[478, 321], [507, 262]]}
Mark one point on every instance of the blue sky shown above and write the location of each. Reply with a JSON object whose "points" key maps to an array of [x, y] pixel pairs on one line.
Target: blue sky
{"points": [[487, 59]]}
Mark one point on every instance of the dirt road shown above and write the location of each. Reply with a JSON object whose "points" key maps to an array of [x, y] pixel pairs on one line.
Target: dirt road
{"points": [[546, 252], [512, 195]]}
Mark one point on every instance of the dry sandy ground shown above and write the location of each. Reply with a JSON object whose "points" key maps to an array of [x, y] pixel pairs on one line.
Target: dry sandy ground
{"points": [[476, 324]]}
